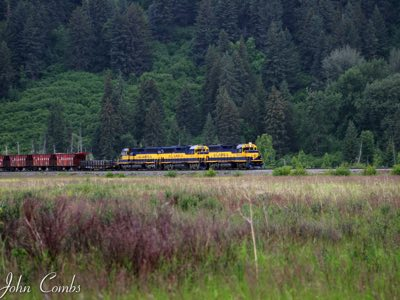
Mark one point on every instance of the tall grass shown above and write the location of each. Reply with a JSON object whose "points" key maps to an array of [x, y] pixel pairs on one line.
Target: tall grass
{"points": [[246, 237]]}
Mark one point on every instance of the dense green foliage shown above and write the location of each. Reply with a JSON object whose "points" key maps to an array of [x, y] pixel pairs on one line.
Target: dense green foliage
{"points": [[318, 76]]}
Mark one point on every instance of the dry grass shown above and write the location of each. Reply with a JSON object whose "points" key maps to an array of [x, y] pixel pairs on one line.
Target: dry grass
{"points": [[192, 237]]}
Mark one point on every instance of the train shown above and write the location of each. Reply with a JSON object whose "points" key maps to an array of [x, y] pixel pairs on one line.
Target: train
{"points": [[192, 157]]}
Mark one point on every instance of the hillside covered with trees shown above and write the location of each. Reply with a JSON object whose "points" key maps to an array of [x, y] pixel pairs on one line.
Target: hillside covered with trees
{"points": [[320, 77]]}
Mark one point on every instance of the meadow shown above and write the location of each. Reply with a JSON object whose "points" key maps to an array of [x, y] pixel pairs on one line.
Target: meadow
{"points": [[193, 237]]}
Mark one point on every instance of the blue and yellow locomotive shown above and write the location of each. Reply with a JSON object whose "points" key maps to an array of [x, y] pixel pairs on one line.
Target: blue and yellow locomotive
{"points": [[243, 156]]}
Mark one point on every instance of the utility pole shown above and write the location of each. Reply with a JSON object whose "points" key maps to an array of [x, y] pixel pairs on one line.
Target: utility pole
{"points": [[18, 148], [6, 150]]}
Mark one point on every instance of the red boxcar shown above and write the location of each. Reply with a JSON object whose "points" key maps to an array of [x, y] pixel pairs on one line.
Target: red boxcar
{"points": [[2, 158], [69, 160], [43, 161], [20, 161]]}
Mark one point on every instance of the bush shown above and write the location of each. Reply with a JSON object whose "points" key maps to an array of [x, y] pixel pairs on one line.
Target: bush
{"points": [[342, 171], [369, 171], [113, 175], [299, 171], [210, 173], [171, 174], [282, 171], [396, 170]]}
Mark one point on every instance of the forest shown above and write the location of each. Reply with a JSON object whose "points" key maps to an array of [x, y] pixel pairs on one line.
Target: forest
{"points": [[314, 81]]}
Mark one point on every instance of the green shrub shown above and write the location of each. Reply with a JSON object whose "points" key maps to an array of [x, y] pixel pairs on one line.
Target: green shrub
{"points": [[113, 175], [171, 174], [237, 174], [299, 171], [282, 171], [210, 173], [396, 170], [341, 171], [369, 171]]}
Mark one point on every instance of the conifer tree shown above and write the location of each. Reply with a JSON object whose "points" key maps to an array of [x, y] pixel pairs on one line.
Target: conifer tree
{"points": [[99, 11], [228, 79], [34, 45], [106, 138], [224, 45], [206, 32], [370, 41], [56, 136], [213, 71], [381, 32], [350, 143], [6, 69], [186, 115], [14, 31], [147, 94], [227, 15], [276, 121], [184, 11], [161, 17], [209, 133], [80, 42], [282, 62], [130, 49], [367, 147], [154, 131], [243, 72], [227, 118], [262, 14]]}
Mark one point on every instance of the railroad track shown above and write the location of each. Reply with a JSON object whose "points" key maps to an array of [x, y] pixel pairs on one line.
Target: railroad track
{"points": [[146, 173]]}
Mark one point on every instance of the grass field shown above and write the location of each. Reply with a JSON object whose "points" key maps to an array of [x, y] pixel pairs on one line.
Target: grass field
{"points": [[239, 237]]}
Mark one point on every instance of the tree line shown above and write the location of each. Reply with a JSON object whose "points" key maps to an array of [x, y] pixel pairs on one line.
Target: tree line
{"points": [[319, 76]]}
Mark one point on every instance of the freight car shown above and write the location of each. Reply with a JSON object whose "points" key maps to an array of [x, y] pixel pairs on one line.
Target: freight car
{"points": [[42, 162], [243, 156]]}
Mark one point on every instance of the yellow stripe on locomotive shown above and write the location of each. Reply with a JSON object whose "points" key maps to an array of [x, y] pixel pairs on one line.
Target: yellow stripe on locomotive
{"points": [[191, 157]]}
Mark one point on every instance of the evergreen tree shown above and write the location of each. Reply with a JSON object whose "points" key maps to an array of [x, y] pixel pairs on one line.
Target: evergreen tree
{"points": [[367, 147], [6, 69], [370, 41], [209, 134], [243, 72], [227, 119], [154, 131], [348, 30], [161, 17], [147, 94], [213, 71], [80, 42], [262, 14], [14, 32], [250, 113], [390, 158], [227, 18], [99, 11], [276, 121], [34, 45], [228, 79], [56, 136], [224, 45], [106, 138], [186, 114], [350, 143], [130, 49], [206, 32], [381, 32], [282, 62], [185, 11]]}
